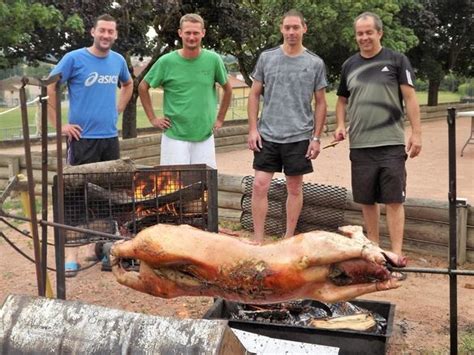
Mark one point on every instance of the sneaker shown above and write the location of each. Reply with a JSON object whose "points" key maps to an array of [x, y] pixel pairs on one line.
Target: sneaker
{"points": [[71, 269]]}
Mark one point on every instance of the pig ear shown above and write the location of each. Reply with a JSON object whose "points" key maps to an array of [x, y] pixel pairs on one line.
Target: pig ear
{"points": [[350, 231]]}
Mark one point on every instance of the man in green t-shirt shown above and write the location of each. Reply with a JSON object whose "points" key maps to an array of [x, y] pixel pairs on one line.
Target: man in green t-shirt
{"points": [[188, 77]]}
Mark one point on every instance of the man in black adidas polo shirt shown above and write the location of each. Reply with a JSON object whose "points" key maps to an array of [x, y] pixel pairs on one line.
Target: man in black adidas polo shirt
{"points": [[374, 84]]}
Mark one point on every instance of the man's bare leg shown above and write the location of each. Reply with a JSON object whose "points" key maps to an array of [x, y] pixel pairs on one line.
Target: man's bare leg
{"points": [[261, 184], [371, 219], [71, 254], [294, 203], [395, 224]]}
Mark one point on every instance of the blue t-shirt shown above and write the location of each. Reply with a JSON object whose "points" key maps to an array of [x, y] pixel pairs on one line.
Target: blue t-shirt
{"points": [[92, 87]]}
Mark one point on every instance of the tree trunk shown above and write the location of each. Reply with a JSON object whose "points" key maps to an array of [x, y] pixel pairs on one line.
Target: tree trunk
{"points": [[433, 87], [129, 118]]}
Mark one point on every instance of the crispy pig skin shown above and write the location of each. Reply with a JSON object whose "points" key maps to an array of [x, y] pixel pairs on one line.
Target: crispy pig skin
{"points": [[185, 261]]}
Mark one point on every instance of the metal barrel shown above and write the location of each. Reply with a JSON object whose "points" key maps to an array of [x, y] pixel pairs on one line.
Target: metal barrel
{"points": [[37, 325]]}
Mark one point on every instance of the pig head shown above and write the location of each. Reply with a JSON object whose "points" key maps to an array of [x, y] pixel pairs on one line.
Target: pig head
{"points": [[319, 265]]}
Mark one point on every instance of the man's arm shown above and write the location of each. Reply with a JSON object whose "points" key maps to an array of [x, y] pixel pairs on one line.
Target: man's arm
{"points": [[144, 93], [340, 131], [413, 114], [320, 112], [253, 105], [126, 92], [224, 105], [72, 131]]}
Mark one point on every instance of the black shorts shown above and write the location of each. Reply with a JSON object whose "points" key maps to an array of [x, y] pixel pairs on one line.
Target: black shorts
{"points": [[379, 174], [287, 157], [85, 151]]}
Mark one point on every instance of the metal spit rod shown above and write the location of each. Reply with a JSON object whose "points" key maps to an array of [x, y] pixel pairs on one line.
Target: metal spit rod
{"points": [[433, 271], [67, 227]]}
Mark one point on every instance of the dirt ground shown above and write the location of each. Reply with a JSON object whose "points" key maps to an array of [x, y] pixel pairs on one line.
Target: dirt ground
{"points": [[421, 322]]}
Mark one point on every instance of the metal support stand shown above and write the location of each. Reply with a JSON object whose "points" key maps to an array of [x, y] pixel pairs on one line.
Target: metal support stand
{"points": [[40, 277], [59, 232], [453, 292], [40, 250], [44, 186]]}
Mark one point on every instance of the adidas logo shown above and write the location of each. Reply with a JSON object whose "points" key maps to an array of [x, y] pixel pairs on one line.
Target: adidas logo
{"points": [[385, 69]]}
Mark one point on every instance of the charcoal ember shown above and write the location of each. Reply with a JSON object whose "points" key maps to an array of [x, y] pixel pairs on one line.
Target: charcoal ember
{"points": [[276, 315]]}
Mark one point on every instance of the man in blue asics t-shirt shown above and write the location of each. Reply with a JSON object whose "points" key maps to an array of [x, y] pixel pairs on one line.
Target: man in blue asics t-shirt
{"points": [[92, 76]]}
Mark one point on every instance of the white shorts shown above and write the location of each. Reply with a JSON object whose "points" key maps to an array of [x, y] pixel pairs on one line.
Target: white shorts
{"points": [[176, 152]]}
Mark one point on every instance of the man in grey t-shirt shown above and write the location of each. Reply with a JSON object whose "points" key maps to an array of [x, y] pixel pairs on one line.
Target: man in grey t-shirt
{"points": [[287, 135], [374, 83]]}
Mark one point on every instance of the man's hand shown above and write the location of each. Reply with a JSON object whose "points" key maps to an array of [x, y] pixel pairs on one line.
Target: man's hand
{"points": [[339, 134], [314, 149], [72, 131], [162, 123], [414, 145], [255, 141], [218, 124]]}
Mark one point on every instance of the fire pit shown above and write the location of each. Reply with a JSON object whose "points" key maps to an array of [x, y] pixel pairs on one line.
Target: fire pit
{"points": [[127, 202], [348, 341]]}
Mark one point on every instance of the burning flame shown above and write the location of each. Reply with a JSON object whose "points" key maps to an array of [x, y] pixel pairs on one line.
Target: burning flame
{"points": [[150, 185]]}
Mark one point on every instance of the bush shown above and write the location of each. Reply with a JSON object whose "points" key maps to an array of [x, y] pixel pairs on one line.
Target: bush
{"points": [[466, 89], [421, 85]]}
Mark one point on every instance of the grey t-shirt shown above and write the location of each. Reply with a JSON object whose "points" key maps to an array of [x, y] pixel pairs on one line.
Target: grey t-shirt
{"points": [[375, 102], [289, 86]]}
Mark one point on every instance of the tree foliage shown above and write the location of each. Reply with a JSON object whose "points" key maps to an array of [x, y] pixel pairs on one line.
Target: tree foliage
{"points": [[64, 25], [44, 30], [247, 27], [20, 19], [446, 39]]}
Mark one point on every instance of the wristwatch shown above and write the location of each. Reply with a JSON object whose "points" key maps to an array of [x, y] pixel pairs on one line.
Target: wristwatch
{"points": [[316, 139]]}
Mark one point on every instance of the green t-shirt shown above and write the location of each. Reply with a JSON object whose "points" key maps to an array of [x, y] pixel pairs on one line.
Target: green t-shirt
{"points": [[190, 98]]}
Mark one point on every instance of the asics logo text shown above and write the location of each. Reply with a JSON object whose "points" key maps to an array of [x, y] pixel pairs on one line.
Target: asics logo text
{"points": [[100, 79]]}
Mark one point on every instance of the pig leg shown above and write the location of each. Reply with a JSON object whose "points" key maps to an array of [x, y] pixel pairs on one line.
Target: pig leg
{"points": [[132, 279], [146, 248], [127, 278], [124, 249], [355, 232], [167, 284]]}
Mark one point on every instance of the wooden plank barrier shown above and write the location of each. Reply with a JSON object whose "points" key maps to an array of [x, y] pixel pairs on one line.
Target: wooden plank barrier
{"points": [[426, 225]]}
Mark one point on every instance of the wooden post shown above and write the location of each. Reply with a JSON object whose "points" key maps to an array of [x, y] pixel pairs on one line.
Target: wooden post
{"points": [[25, 203], [13, 166], [461, 225]]}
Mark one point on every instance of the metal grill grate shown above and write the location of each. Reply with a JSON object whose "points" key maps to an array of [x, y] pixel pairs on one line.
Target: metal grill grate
{"points": [[323, 207], [126, 203]]}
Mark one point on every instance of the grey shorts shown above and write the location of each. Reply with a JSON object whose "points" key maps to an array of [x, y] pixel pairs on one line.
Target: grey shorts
{"points": [[379, 174], [287, 157]]}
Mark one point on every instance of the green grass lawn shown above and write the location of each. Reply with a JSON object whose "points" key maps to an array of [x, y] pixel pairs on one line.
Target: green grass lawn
{"points": [[12, 119]]}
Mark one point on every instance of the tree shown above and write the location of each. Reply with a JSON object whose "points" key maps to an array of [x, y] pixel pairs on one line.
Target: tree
{"points": [[19, 20], [246, 28], [48, 41], [242, 28], [446, 39]]}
